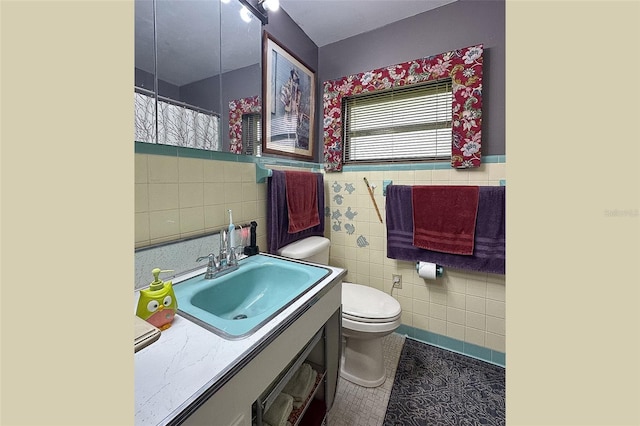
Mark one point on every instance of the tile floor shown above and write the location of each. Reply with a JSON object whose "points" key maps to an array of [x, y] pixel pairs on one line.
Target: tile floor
{"points": [[359, 406]]}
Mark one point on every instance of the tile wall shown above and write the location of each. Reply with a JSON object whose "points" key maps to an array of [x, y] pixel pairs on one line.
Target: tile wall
{"points": [[465, 306], [178, 197]]}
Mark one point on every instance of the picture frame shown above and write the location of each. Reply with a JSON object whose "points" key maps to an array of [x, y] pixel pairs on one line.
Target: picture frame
{"points": [[289, 96]]}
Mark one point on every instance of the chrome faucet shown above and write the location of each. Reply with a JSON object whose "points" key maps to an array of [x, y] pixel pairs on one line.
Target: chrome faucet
{"points": [[212, 267], [226, 261]]}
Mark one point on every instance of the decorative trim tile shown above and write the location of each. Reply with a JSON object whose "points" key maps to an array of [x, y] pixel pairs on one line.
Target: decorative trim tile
{"points": [[455, 345]]}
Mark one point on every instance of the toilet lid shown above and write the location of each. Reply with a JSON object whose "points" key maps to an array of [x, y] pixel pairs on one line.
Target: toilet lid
{"points": [[366, 304]]}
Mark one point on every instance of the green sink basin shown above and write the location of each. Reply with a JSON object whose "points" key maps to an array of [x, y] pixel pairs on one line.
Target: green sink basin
{"points": [[237, 304]]}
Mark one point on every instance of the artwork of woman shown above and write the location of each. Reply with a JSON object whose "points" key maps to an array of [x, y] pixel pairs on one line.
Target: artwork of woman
{"points": [[290, 94]]}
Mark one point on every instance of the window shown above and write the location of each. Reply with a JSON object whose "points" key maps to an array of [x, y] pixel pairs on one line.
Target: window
{"points": [[251, 132], [402, 124]]}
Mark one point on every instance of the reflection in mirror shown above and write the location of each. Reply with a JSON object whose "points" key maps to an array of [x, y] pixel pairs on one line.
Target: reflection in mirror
{"points": [[208, 60], [187, 40], [241, 81], [145, 69], [252, 133]]}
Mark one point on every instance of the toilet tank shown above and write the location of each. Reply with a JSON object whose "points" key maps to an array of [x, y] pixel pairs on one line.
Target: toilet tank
{"points": [[310, 249]]}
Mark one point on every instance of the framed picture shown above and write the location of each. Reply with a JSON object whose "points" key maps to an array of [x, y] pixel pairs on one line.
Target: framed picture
{"points": [[289, 94]]}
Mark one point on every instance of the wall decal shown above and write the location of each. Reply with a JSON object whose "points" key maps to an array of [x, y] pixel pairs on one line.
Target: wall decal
{"points": [[336, 187], [362, 241], [349, 214], [350, 228], [349, 188], [338, 199], [336, 215], [336, 226]]}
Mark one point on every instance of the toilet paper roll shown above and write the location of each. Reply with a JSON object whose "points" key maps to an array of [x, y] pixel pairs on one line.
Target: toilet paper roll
{"points": [[427, 270]]}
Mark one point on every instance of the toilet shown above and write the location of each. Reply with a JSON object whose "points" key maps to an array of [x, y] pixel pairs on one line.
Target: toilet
{"points": [[368, 315]]}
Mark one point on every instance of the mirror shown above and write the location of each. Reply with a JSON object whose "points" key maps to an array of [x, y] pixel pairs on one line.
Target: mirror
{"points": [[199, 68]]}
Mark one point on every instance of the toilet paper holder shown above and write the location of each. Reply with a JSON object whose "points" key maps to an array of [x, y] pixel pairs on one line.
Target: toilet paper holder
{"points": [[439, 269]]}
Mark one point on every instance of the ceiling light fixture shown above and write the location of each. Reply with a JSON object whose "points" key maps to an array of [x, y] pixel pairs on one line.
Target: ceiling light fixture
{"points": [[258, 9]]}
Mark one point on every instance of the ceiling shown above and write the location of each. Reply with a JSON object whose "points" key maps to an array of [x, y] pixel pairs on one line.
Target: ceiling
{"points": [[328, 21]]}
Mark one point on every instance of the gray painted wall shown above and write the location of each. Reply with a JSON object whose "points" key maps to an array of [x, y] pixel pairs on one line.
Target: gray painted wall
{"points": [[453, 26]]}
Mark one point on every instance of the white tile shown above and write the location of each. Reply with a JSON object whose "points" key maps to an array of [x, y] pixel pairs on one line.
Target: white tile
{"points": [[190, 170], [495, 342], [420, 292], [141, 169], [141, 198], [496, 291], [474, 336], [191, 195], [496, 325], [456, 316], [476, 287], [476, 304], [455, 331], [421, 307], [233, 192], [437, 294], [163, 196], [437, 311], [191, 220], [475, 320], [456, 300], [437, 326], [495, 308], [162, 169], [420, 321]]}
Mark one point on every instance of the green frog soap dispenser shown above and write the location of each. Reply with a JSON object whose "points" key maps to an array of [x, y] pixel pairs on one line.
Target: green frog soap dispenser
{"points": [[158, 304]]}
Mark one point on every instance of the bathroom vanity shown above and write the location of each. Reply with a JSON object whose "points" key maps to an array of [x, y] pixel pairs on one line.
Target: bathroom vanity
{"points": [[194, 376]]}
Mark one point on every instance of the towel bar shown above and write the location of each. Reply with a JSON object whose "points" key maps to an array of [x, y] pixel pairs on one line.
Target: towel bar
{"points": [[262, 173]]}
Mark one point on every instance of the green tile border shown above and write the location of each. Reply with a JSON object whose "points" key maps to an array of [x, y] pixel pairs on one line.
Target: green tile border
{"points": [[440, 165], [455, 345], [177, 151]]}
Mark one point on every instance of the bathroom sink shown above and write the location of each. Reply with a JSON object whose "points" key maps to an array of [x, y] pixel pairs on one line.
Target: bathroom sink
{"points": [[237, 304]]}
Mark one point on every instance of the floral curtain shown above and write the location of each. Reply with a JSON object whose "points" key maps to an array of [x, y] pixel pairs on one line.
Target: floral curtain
{"points": [[463, 66]]}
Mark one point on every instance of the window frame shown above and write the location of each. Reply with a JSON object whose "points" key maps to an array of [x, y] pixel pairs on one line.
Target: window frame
{"points": [[464, 66], [429, 88]]}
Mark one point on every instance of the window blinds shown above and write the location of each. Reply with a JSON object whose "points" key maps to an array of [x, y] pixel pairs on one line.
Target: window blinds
{"points": [[401, 124], [251, 132]]}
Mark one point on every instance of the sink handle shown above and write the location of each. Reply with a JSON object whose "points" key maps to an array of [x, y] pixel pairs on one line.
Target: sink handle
{"points": [[233, 259], [213, 260]]}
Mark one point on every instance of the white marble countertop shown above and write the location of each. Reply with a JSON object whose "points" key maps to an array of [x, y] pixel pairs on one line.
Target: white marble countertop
{"points": [[187, 360]]}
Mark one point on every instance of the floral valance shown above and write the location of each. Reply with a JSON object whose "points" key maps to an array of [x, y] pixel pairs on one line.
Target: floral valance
{"points": [[463, 66]]}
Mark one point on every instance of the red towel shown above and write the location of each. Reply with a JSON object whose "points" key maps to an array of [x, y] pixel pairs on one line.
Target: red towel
{"points": [[302, 200], [444, 218]]}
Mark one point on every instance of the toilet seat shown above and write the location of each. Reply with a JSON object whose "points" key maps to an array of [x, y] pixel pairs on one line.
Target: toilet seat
{"points": [[366, 320], [368, 305]]}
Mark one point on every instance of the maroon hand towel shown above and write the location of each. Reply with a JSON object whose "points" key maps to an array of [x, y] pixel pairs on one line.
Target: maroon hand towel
{"points": [[302, 200], [444, 218]]}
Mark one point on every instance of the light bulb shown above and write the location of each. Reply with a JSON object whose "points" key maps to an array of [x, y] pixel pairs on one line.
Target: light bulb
{"points": [[245, 14], [225, 1], [271, 5]]}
